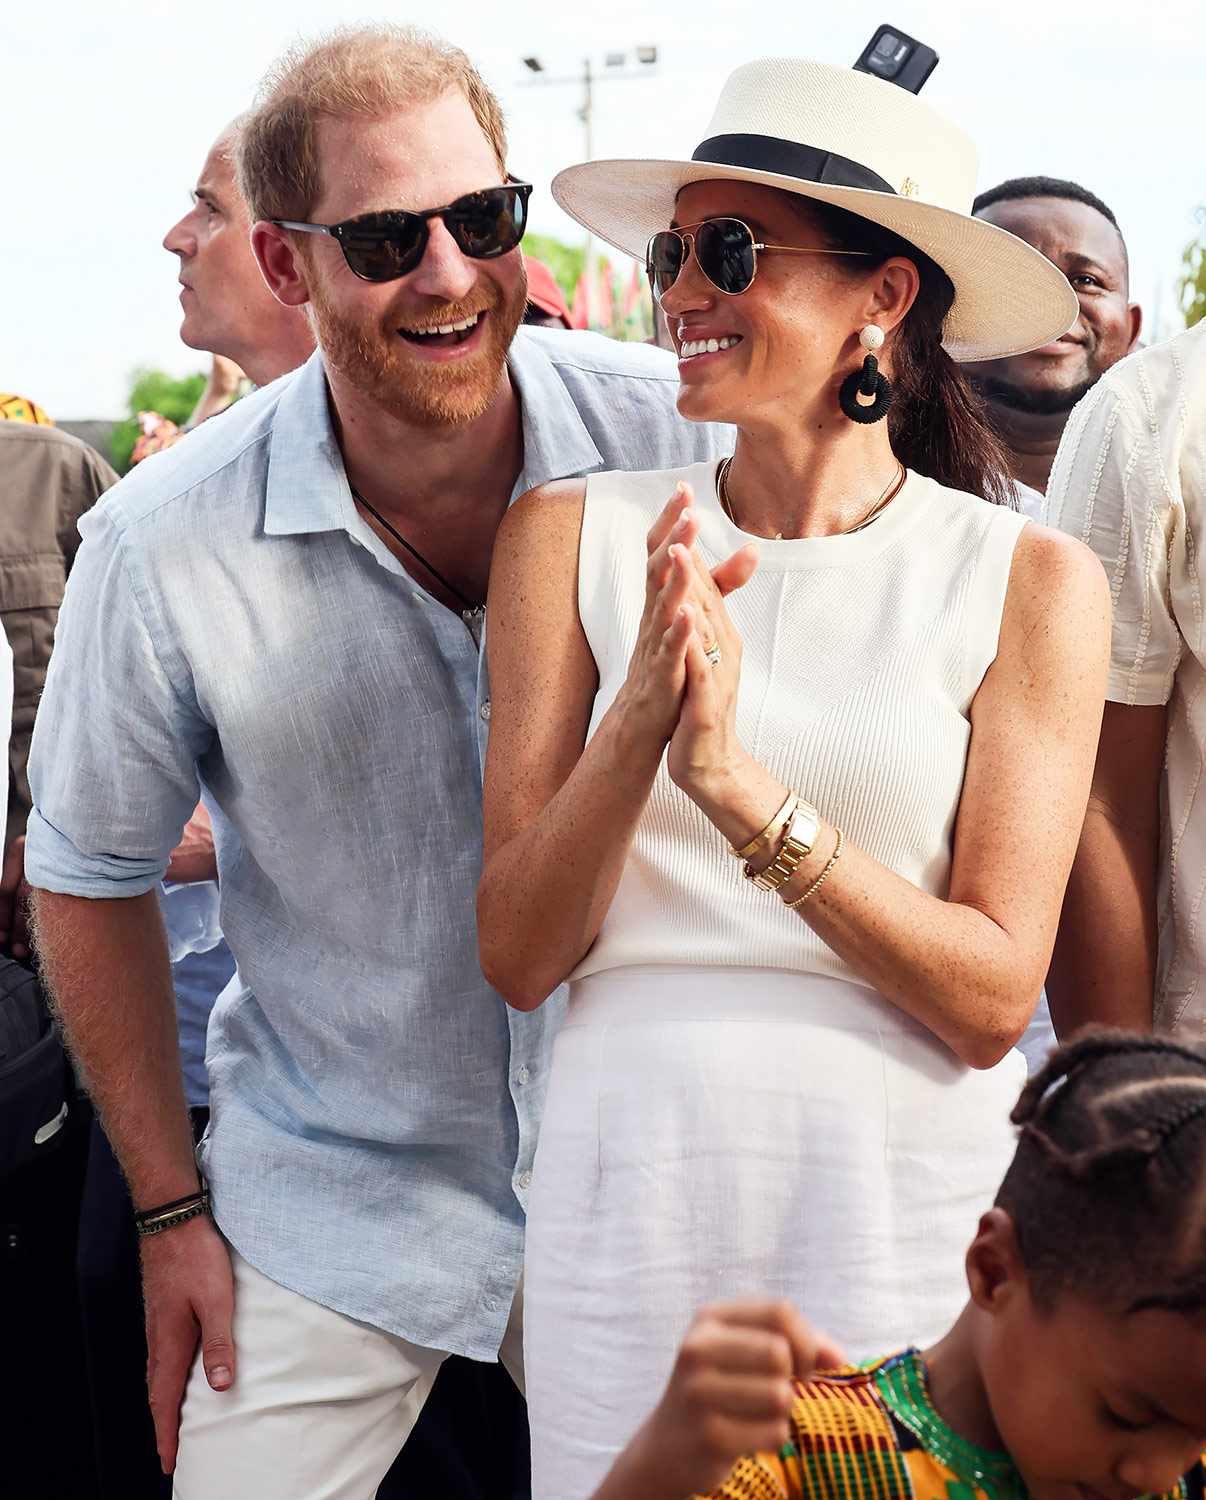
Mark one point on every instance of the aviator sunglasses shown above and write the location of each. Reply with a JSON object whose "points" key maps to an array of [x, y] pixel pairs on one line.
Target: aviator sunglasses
{"points": [[384, 246], [725, 251]]}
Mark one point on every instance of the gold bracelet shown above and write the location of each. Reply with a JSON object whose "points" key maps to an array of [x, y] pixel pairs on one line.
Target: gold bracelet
{"points": [[780, 820], [821, 878]]}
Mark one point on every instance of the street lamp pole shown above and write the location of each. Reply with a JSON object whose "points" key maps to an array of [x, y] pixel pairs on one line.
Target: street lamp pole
{"points": [[588, 107], [616, 65], [587, 113]]}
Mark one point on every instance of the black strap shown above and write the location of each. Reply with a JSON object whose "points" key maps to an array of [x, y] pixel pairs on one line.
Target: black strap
{"points": [[187, 1201], [466, 604], [767, 153]]}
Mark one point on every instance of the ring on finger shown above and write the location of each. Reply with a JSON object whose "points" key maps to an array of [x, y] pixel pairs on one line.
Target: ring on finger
{"points": [[712, 652]]}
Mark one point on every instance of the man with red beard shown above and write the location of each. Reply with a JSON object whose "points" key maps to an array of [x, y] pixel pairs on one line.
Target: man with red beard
{"points": [[286, 609]]}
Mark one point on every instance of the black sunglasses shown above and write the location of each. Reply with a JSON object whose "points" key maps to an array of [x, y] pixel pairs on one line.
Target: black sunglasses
{"points": [[725, 251], [383, 246]]}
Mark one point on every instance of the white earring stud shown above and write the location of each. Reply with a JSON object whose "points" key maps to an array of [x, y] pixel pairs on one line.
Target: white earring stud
{"points": [[872, 338]]}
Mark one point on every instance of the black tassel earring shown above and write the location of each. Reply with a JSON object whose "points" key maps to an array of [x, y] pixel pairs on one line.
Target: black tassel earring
{"points": [[867, 382]]}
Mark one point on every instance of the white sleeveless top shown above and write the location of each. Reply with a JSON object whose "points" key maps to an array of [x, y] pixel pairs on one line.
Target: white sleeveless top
{"points": [[861, 657]]}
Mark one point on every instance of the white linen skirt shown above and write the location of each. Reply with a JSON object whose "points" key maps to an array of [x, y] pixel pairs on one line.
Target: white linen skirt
{"points": [[715, 1133]]}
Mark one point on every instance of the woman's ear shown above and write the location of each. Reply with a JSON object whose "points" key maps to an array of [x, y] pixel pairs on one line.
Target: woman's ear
{"points": [[892, 292]]}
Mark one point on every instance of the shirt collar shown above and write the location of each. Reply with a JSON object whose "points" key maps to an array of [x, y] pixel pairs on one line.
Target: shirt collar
{"points": [[556, 441], [307, 488]]}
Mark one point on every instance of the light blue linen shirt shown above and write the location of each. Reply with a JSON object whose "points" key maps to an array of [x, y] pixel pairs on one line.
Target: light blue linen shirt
{"points": [[231, 622]]}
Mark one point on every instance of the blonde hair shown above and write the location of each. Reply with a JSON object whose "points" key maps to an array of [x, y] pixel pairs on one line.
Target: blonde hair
{"points": [[353, 71]]}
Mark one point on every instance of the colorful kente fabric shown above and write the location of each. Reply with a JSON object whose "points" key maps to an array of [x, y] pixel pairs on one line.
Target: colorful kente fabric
{"points": [[874, 1434], [22, 409]]}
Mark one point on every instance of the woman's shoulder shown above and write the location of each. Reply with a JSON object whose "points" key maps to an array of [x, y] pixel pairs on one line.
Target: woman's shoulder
{"points": [[636, 484], [1053, 567], [649, 487], [601, 510], [972, 510], [1038, 553]]}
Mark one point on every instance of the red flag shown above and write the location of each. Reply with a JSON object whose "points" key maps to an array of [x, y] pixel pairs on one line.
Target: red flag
{"points": [[580, 312], [635, 293]]}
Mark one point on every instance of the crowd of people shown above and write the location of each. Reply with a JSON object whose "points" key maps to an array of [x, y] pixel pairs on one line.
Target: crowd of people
{"points": [[607, 1029]]}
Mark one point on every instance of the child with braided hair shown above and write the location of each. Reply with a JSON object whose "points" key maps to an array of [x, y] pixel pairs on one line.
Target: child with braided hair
{"points": [[1076, 1371]]}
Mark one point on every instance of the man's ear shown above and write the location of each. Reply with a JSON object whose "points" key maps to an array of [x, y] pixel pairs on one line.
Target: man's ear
{"points": [[995, 1269], [1135, 313], [280, 264]]}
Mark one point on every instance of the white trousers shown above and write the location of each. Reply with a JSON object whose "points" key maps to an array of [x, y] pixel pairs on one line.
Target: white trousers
{"points": [[321, 1404]]}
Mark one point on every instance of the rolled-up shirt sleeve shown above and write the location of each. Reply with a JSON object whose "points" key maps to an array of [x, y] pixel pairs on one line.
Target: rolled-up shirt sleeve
{"points": [[1110, 487], [113, 764]]}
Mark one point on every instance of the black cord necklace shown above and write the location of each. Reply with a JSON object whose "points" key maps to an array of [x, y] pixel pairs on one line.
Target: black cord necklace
{"points": [[467, 605]]}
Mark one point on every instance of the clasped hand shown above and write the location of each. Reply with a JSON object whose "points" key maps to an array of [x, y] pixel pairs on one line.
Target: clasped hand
{"points": [[686, 666]]}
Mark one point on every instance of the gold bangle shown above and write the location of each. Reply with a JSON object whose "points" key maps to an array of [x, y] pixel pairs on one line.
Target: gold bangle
{"points": [[780, 820], [821, 878], [798, 838]]}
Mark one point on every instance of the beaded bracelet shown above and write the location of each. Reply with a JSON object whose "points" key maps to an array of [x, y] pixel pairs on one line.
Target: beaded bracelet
{"points": [[821, 878]]}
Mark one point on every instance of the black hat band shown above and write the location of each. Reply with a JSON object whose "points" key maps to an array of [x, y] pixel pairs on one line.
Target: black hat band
{"points": [[767, 153]]}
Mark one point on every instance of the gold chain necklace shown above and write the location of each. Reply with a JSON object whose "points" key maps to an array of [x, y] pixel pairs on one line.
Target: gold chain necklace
{"points": [[893, 488]]}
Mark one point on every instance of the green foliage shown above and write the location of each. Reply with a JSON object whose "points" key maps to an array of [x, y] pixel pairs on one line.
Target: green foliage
{"points": [[153, 390], [1193, 282], [566, 262]]}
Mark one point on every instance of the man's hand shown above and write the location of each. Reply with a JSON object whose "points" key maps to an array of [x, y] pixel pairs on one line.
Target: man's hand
{"points": [[14, 901], [188, 1293], [194, 858], [730, 1394]]}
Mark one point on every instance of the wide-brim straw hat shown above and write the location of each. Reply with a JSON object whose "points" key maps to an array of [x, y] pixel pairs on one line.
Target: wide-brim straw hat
{"points": [[868, 146]]}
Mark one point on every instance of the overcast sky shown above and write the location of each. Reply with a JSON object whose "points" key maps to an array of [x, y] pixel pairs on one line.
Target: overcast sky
{"points": [[111, 105]]}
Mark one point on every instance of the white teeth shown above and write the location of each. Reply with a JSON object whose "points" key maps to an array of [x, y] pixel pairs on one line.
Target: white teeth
{"points": [[445, 328], [689, 348]]}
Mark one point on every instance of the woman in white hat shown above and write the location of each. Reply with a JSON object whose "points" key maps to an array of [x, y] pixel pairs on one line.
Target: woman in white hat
{"points": [[790, 1071]]}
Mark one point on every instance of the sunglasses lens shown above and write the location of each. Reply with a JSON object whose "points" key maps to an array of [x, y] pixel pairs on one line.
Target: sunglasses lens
{"points": [[725, 249], [382, 247], [664, 260], [488, 224]]}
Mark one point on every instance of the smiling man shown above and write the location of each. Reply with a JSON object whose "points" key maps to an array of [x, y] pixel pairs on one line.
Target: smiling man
{"points": [[286, 610], [1030, 396]]}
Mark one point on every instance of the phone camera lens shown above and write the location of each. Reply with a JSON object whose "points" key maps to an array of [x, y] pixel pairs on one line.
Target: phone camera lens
{"points": [[888, 55]]}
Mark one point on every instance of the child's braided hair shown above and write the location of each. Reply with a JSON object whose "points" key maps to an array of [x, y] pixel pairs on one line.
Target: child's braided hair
{"points": [[1107, 1189]]}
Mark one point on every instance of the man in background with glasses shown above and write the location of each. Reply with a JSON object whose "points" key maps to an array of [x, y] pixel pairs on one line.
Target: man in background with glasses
{"points": [[286, 609]]}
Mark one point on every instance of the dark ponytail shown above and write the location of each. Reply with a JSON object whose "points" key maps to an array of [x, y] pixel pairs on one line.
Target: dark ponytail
{"points": [[937, 422]]}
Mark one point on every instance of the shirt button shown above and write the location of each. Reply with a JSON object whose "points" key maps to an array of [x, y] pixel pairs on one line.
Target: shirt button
{"points": [[523, 1076], [484, 710], [525, 1180]]}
